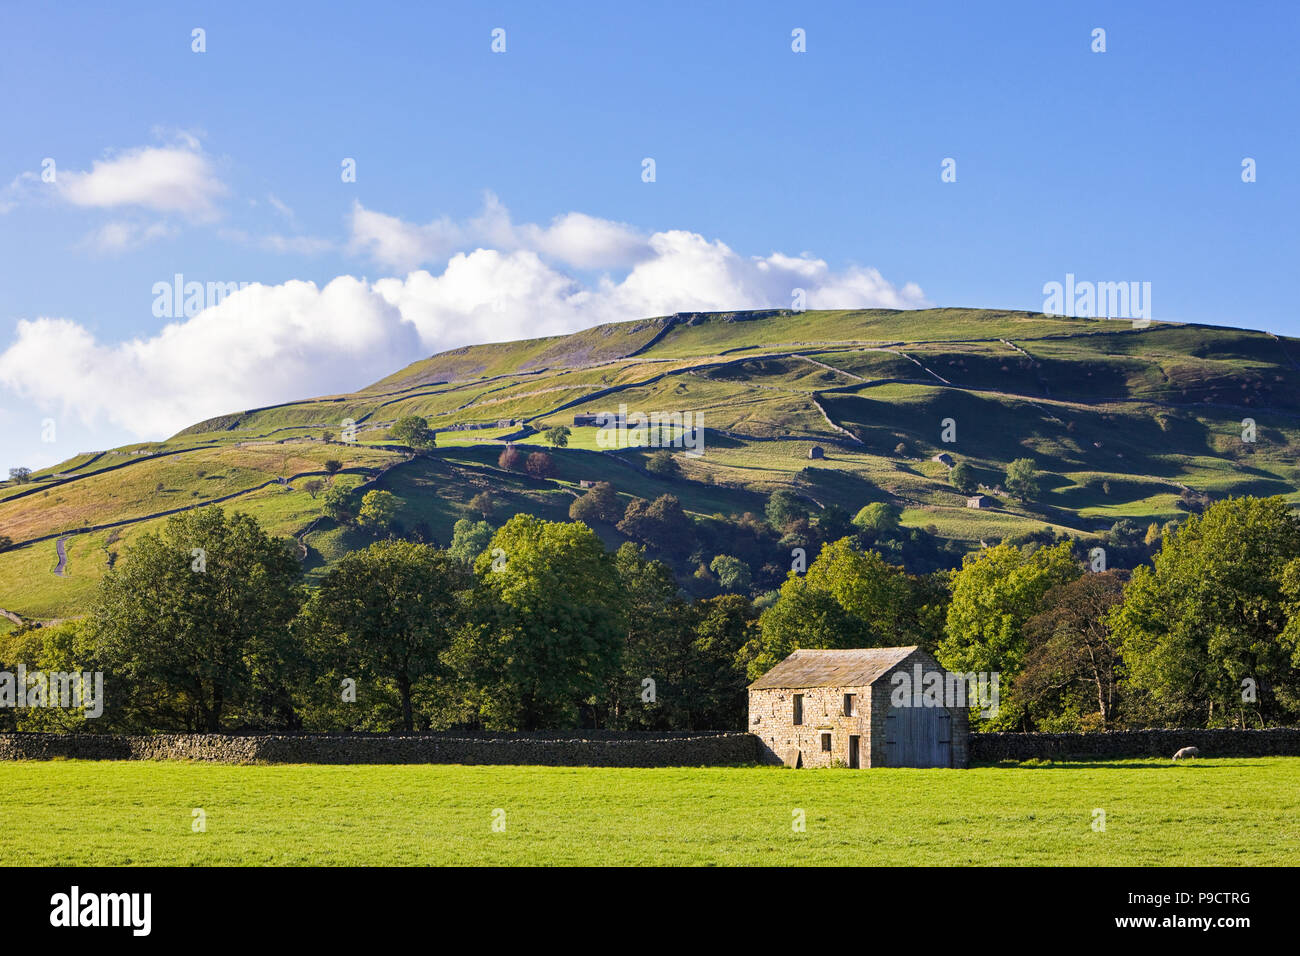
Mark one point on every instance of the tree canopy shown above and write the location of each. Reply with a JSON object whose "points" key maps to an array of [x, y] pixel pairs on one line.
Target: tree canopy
{"points": [[550, 624], [388, 613], [413, 430], [194, 621], [1207, 627]]}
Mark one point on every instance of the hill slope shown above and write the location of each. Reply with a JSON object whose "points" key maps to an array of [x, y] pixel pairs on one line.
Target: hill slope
{"points": [[1121, 421]]}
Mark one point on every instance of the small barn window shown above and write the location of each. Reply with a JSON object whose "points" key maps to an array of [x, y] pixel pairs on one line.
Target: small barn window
{"points": [[826, 743], [849, 701], [798, 709]]}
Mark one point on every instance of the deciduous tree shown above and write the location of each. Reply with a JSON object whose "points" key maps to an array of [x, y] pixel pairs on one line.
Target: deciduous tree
{"points": [[193, 622], [550, 625], [1209, 621], [387, 613]]}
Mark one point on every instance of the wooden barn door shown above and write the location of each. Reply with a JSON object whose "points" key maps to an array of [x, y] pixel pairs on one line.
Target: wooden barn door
{"points": [[918, 737]]}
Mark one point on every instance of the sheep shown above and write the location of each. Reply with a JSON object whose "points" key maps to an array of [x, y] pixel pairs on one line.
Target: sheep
{"points": [[1186, 753]]}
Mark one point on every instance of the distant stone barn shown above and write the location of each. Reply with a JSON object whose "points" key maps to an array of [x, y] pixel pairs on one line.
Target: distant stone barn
{"points": [[860, 708]]}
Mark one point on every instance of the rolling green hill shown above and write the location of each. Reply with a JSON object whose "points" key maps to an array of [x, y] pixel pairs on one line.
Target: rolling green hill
{"points": [[1121, 422]]}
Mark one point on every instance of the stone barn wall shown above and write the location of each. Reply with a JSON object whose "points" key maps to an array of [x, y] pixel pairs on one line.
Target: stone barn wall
{"points": [[780, 741]]}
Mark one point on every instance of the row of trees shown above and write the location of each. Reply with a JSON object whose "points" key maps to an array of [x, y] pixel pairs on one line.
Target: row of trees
{"points": [[208, 625]]}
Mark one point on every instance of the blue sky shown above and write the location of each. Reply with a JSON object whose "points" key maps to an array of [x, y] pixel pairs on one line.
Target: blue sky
{"points": [[500, 195]]}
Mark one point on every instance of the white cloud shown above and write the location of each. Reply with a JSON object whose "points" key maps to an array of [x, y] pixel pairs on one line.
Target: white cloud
{"points": [[176, 179], [573, 239], [261, 345], [400, 245], [121, 235], [267, 344]]}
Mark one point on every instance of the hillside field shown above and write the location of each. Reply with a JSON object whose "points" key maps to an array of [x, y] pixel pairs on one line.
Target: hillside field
{"points": [[1206, 812], [1121, 423]]}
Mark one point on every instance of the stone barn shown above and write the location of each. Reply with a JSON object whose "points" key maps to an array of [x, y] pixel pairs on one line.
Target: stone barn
{"points": [[816, 451], [873, 707]]}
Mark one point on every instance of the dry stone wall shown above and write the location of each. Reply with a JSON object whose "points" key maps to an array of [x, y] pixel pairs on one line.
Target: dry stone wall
{"points": [[608, 748], [1276, 741], [574, 749]]}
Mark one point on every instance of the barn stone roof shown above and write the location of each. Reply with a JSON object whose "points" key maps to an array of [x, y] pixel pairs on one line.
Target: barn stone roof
{"points": [[832, 668]]}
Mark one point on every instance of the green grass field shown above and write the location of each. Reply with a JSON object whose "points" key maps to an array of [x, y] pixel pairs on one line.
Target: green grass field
{"points": [[1210, 812]]}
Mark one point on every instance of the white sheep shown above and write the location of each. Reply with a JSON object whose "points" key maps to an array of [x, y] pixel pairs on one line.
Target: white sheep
{"points": [[1187, 752]]}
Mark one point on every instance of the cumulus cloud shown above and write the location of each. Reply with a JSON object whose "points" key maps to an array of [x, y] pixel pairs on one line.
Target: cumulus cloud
{"points": [[177, 179], [266, 344], [399, 245], [260, 345], [573, 239]]}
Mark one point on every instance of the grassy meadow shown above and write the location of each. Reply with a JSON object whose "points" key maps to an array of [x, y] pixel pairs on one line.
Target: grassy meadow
{"points": [[1205, 812]]}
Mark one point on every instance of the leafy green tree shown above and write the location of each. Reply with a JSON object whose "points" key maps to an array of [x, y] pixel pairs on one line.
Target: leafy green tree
{"points": [[338, 504], [469, 539], [783, 508], [378, 510], [386, 614], [963, 478], [65, 647], [194, 622], [802, 616], [926, 611], [20, 476], [313, 487], [717, 676], [558, 437], [600, 503], [1213, 613], [879, 519], [1022, 479], [1124, 544], [993, 595], [650, 689], [550, 625], [333, 466], [414, 431], [833, 523], [733, 573], [1290, 585], [663, 464], [661, 524], [848, 598]]}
